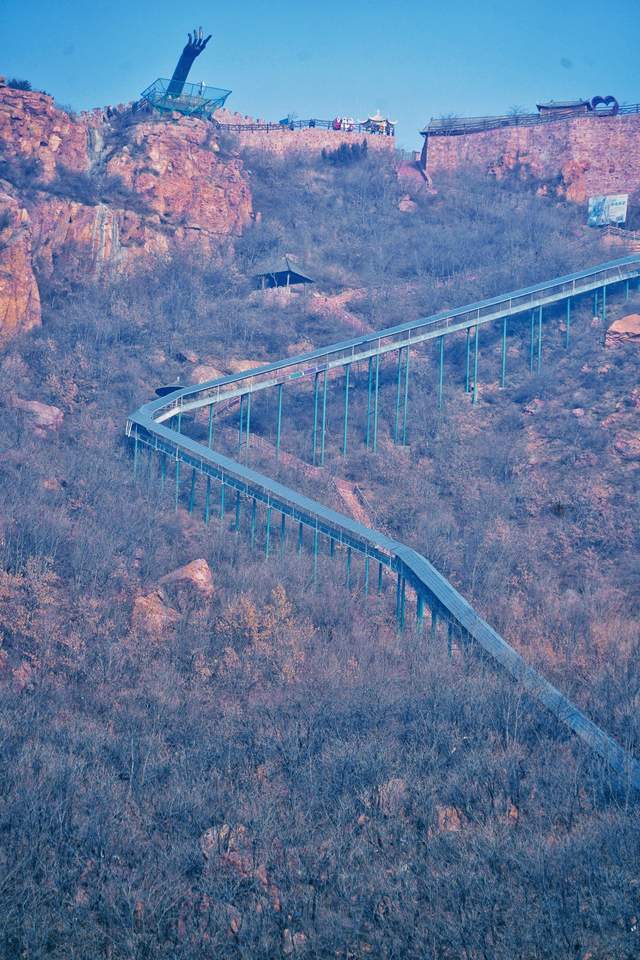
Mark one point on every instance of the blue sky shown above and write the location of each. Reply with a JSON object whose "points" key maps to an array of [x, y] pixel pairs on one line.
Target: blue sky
{"points": [[413, 60]]}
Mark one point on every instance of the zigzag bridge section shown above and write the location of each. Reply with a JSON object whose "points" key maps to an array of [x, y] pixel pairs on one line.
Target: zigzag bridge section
{"points": [[157, 426]]}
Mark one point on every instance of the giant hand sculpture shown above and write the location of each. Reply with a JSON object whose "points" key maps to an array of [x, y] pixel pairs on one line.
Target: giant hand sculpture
{"points": [[195, 46]]}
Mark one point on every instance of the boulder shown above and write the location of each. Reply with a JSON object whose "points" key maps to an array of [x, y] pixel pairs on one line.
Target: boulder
{"points": [[195, 577], [407, 205], [624, 330], [44, 416], [204, 372], [152, 616], [627, 444]]}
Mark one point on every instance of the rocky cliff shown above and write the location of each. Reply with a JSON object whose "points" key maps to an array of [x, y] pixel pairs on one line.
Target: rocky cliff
{"points": [[89, 195], [578, 157]]}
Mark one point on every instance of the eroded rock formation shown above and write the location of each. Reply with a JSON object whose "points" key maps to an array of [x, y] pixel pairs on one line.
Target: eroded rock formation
{"points": [[90, 195]]}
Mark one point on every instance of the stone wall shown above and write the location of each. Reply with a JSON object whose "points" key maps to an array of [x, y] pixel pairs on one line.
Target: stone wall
{"points": [[310, 139], [580, 157]]}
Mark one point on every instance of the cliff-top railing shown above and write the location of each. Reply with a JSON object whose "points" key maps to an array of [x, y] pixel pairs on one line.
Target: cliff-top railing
{"points": [[450, 126], [152, 426], [293, 125]]}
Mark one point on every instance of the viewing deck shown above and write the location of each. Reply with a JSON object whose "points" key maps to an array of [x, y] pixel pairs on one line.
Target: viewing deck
{"points": [[193, 100]]}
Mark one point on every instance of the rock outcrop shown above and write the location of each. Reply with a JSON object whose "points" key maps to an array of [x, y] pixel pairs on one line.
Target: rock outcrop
{"points": [[44, 416], [92, 195], [624, 330], [184, 591], [194, 577], [19, 295]]}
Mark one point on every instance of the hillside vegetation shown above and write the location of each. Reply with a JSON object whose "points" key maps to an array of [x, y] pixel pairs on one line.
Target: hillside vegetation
{"points": [[244, 766]]}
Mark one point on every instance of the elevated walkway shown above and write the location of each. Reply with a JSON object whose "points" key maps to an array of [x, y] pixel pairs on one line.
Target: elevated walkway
{"points": [[150, 426]]}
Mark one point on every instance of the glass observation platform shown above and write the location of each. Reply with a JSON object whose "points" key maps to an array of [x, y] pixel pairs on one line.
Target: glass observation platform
{"points": [[190, 99]]}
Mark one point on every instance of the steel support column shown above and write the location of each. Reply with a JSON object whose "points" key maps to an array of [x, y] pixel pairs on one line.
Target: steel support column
{"points": [[475, 365], [315, 418], [237, 520], [135, 456], [163, 470], [210, 427], [222, 500], [503, 366], [441, 371], [420, 611], [267, 535], [279, 421], [406, 396], [532, 340], [467, 380], [539, 364], [366, 574], [315, 553], [241, 422], [369, 385], [248, 420], [192, 491], [347, 376], [396, 419], [323, 428], [568, 333], [375, 404], [207, 497], [254, 508], [283, 533]]}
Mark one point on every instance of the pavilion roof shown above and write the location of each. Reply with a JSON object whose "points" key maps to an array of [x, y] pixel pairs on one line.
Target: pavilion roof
{"points": [[284, 263], [378, 118], [562, 104]]}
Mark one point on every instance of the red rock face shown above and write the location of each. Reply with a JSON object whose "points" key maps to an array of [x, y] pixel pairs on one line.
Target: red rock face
{"points": [[19, 296], [581, 157], [93, 195], [31, 128]]}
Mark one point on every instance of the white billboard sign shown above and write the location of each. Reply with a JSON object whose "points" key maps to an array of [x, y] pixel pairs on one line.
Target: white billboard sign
{"points": [[608, 209]]}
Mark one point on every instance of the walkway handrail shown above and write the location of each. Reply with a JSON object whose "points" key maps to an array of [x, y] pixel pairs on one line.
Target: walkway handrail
{"points": [[146, 426], [312, 124], [448, 126], [392, 338]]}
